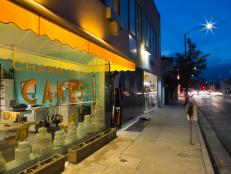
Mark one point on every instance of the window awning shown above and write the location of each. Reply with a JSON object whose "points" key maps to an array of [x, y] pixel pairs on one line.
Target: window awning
{"points": [[24, 46], [28, 21]]}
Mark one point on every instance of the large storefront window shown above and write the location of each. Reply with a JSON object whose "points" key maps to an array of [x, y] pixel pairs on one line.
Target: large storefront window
{"points": [[51, 95], [150, 87], [131, 94]]}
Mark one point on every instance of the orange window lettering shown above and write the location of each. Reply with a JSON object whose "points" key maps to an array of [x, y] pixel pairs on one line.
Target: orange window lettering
{"points": [[25, 91], [47, 93], [79, 89], [41, 69], [72, 91], [60, 92], [32, 67], [17, 68]]}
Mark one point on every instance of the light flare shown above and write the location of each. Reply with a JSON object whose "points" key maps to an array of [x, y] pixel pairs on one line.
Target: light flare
{"points": [[209, 26]]}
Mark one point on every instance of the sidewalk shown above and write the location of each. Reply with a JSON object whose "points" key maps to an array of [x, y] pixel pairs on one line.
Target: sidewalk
{"points": [[161, 148]]}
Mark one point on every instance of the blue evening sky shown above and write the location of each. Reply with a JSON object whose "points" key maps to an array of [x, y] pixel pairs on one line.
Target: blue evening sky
{"points": [[179, 16]]}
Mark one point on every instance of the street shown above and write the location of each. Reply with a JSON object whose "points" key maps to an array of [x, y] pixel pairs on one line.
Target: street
{"points": [[217, 110]]}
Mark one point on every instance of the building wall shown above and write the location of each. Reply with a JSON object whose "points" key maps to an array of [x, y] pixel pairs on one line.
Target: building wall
{"points": [[90, 16], [153, 16]]}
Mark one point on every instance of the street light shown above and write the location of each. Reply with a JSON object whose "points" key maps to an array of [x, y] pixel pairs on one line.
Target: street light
{"points": [[208, 26]]}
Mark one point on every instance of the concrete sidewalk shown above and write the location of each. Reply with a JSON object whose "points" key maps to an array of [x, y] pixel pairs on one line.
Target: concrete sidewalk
{"points": [[162, 147]]}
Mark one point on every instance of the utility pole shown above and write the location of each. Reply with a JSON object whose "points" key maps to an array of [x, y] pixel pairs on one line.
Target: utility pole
{"points": [[185, 45]]}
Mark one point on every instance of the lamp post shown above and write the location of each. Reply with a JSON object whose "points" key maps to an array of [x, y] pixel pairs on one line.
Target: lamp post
{"points": [[185, 38], [208, 26]]}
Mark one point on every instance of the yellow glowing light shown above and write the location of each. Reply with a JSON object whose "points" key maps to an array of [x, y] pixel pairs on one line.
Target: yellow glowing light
{"points": [[144, 53], [12, 13]]}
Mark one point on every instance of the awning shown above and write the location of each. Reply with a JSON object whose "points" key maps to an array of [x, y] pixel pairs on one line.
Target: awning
{"points": [[79, 47], [24, 46]]}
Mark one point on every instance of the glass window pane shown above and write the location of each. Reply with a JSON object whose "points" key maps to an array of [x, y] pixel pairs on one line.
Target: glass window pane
{"points": [[154, 43], [138, 21], [132, 46], [149, 36], [116, 6], [124, 13], [145, 31], [46, 98], [132, 17]]}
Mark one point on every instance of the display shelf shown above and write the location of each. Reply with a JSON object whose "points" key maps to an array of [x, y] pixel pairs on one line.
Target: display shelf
{"points": [[6, 94]]}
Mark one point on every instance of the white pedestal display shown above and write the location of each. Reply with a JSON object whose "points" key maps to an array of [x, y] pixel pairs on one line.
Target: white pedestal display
{"points": [[71, 133], [81, 130], [43, 142], [22, 153], [2, 164], [87, 123], [92, 123], [85, 127], [98, 119], [59, 139]]}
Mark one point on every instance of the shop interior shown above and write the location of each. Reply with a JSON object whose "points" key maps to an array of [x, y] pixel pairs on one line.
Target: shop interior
{"points": [[51, 95], [150, 88]]}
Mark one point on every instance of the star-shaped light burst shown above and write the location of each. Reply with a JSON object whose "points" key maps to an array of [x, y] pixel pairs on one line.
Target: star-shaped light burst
{"points": [[209, 25]]}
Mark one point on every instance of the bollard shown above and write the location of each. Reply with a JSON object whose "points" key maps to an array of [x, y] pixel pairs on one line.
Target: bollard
{"points": [[190, 114]]}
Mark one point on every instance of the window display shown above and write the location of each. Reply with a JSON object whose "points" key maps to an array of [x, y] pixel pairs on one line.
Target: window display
{"points": [[59, 139], [43, 142], [58, 106], [150, 91], [55, 85], [22, 152], [71, 135], [2, 163]]}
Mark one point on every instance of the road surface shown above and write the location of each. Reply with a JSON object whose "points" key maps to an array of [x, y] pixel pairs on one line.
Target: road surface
{"points": [[217, 110]]}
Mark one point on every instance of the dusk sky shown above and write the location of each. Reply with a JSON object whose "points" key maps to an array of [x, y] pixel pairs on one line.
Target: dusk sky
{"points": [[181, 16]]}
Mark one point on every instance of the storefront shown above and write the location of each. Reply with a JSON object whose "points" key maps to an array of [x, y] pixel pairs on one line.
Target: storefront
{"points": [[51, 78], [130, 87], [150, 88], [137, 93]]}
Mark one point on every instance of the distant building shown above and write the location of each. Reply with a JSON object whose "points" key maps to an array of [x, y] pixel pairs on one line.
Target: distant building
{"points": [[226, 86], [169, 80]]}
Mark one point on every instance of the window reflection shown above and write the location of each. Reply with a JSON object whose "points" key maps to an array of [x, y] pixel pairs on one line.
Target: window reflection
{"points": [[45, 109]]}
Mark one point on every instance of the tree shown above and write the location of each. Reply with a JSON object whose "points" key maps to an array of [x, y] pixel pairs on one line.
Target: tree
{"points": [[170, 86], [228, 81], [169, 78], [189, 67], [217, 86]]}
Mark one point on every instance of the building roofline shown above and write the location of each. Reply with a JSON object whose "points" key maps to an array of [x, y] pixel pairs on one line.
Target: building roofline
{"points": [[69, 26]]}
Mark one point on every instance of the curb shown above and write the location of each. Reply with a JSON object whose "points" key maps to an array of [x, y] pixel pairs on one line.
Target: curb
{"points": [[219, 156], [204, 151]]}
